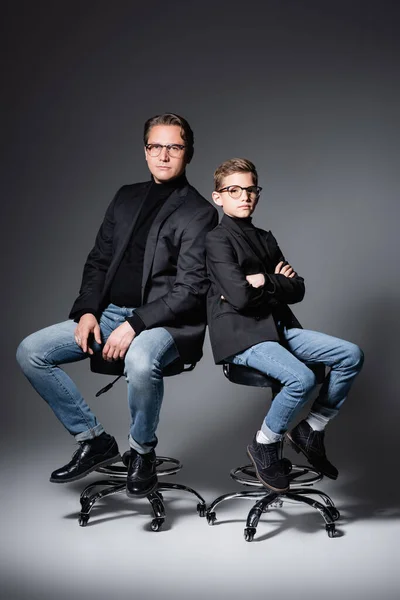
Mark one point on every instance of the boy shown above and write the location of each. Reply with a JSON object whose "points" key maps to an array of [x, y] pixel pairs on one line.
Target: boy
{"points": [[250, 324]]}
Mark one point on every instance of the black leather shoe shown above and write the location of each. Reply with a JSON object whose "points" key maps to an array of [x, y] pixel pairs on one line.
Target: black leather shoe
{"points": [[142, 476], [311, 443], [271, 470], [98, 452]]}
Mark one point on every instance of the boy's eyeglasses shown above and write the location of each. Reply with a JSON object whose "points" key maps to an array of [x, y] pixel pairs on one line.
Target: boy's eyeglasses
{"points": [[235, 191], [174, 150]]}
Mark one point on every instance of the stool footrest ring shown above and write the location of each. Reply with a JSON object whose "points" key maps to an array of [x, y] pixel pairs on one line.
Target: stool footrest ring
{"points": [[117, 470], [116, 483], [246, 476]]}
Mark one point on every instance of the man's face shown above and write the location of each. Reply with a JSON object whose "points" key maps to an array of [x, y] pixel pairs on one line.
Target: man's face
{"points": [[165, 167], [241, 207]]}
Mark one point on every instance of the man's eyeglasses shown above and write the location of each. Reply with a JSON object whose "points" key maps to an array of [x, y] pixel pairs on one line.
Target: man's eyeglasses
{"points": [[174, 150], [235, 191]]}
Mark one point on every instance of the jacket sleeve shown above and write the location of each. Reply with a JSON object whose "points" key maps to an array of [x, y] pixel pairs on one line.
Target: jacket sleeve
{"points": [[189, 291], [287, 290], [226, 272], [96, 266]]}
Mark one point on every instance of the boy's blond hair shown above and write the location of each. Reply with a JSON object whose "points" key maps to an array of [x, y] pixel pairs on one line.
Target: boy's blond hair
{"points": [[234, 165]]}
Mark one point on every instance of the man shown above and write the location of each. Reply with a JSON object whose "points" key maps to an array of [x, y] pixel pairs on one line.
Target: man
{"points": [[250, 324], [142, 300]]}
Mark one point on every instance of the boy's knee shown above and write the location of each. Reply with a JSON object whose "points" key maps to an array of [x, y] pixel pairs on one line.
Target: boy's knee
{"points": [[310, 380], [23, 352], [355, 357], [304, 382]]}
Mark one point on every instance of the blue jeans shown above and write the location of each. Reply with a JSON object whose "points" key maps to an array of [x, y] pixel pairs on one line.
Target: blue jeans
{"points": [[298, 381], [41, 353]]}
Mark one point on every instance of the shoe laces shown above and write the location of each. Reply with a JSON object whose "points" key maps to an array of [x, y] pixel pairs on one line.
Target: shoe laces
{"points": [[78, 450]]}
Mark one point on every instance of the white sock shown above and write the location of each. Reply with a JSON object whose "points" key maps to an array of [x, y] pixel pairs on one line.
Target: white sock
{"points": [[316, 421], [261, 438]]}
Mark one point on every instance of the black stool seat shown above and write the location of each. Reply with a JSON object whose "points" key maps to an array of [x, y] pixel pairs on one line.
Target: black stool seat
{"points": [[248, 376], [117, 473], [115, 368], [302, 477]]}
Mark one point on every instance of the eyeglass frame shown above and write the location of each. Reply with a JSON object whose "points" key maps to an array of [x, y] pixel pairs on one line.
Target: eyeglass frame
{"points": [[167, 146], [226, 189]]}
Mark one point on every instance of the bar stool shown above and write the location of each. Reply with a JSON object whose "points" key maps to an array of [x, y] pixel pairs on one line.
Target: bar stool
{"points": [[117, 473], [301, 477]]}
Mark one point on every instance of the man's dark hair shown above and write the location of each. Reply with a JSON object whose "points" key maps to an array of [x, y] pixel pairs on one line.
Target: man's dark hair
{"points": [[172, 119]]}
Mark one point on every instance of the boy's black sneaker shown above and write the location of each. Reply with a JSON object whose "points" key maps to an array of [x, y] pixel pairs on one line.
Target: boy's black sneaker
{"points": [[271, 470], [304, 439], [142, 476], [91, 454]]}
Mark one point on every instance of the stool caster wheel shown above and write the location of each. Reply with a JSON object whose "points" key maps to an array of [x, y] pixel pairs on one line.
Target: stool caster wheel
{"points": [[335, 514], [201, 509], [157, 523], [211, 518], [331, 530], [83, 520], [249, 533]]}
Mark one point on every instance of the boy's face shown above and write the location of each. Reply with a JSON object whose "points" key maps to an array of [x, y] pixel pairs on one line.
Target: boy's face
{"points": [[245, 202]]}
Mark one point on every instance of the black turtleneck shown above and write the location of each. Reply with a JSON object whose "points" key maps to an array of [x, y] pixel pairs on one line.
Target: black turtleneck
{"points": [[127, 283], [126, 287]]}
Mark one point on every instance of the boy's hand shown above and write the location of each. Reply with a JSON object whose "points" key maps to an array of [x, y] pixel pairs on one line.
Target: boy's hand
{"points": [[257, 280], [284, 269]]}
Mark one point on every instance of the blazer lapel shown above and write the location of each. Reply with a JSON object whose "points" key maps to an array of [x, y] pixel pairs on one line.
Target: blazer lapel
{"points": [[247, 246], [170, 205], [132, 207], [263, 237], [239, 234], [132, 210]]}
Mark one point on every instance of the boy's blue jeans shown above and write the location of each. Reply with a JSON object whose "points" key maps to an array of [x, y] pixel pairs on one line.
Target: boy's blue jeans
{"points": [[287, 366], [41, 353]]}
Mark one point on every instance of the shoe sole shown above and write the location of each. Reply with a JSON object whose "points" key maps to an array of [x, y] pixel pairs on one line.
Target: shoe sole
{"points": [[109, 461], [261, 480], [141, 494], [299, 450]]}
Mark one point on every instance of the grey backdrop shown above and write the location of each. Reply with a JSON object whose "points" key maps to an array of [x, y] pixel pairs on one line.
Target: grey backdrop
{"points": [[309, 91]]}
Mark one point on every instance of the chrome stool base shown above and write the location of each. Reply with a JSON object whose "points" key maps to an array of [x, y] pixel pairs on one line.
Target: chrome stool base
{"points": [[116, 483], [301, 477]]}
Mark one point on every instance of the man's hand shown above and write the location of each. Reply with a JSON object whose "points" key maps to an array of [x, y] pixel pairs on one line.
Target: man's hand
{"points": [[87, 325], [286, 270], [119, 342], [257, 280]]}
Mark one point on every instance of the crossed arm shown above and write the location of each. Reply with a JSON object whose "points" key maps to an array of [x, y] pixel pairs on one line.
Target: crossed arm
{"points": [[250, 291], [258, 279]]}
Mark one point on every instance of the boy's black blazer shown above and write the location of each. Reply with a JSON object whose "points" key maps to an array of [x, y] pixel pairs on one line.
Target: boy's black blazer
{"points": [[174, 283], [248, 315]]}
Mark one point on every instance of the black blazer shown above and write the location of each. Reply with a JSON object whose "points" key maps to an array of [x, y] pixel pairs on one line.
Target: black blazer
{"points": [[248, 315], [175, 283]]}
